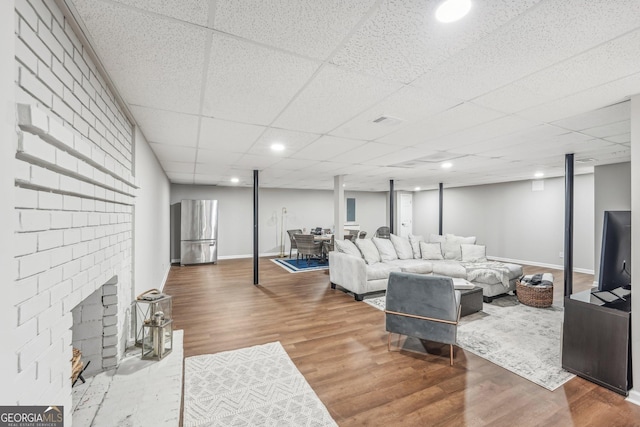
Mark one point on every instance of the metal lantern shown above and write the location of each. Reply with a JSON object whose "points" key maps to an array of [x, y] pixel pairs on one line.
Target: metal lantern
{"points": [[154, 324]]}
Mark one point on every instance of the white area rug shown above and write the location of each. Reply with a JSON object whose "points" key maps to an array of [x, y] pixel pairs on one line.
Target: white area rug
{"points": [[254, 386], [525, 340]]}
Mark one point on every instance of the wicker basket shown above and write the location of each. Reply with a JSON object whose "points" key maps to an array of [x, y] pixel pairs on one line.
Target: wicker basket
{"points": [[534, 296]]}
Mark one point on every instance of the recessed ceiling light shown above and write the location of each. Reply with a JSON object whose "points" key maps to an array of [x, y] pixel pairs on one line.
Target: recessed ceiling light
{"points": [[235, 180], [416, 189], [277, 146], [452, 10], [446, 165], [539, 174]]}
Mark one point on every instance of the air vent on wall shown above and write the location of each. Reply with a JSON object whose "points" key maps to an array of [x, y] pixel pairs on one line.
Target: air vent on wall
{"points": [[388, 121]]}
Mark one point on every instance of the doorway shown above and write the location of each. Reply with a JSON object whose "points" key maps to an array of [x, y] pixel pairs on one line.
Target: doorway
{"points": [[406, 214]]}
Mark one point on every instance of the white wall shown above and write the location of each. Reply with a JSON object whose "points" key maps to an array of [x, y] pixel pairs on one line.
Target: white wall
{"points": [[612, 188], [151, 220], [305, 209], [8, 312], [514, 222]]}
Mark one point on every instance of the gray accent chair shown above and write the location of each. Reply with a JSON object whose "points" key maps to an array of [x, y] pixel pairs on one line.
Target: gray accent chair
{"points": [[422, 306]]}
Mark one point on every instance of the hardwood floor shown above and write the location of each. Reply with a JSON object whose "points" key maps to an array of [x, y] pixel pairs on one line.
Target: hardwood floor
{"points": [[340, 346]]}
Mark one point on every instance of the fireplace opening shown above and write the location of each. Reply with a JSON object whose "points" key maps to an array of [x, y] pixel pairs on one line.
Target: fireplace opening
{"points": [[95, 328]]}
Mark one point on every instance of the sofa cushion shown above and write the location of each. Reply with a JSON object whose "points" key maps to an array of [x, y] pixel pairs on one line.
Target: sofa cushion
{"points": [[473, 253], [451, 246], [515, 270], [436, 238], [380, 270], [449, 269], [369, 250], [417, 266], [347, 247], [402, 247], [431, 251], [415, 245], [385, 248]]}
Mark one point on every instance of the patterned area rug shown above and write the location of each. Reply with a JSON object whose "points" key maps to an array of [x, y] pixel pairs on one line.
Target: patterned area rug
{"points": [[254, 386], [293, 265], [525, 340]]}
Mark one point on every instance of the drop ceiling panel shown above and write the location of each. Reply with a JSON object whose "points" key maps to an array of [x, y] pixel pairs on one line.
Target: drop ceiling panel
{"points": [[624, 138], [295, 164], [401, 155], [588, 100], [180, 178], [256, 162], [369, 151], [408, 104], [608, 62], [178, 167], [609, 130], [402, 39], [331, 98], [309, 27], [293, 141], [217, 156], [155, 61], [173, 153], [223, 134], [195, 11], [327, 147], [453, 120], [167, 127], [250, 83], [599, 117], [563, 29]]}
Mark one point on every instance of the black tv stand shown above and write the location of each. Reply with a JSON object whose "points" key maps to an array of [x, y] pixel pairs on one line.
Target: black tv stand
{"points": [[596, 340]]}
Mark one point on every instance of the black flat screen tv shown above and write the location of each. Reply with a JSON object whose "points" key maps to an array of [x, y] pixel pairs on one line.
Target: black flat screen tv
{"points": [[615, 257]]}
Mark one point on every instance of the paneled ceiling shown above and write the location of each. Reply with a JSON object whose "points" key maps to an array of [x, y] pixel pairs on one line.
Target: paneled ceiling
{"points": [[501, 94]]}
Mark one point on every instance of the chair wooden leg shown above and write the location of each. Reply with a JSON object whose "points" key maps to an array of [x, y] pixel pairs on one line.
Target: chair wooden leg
{"points": [[389, 342], [451, 354]]}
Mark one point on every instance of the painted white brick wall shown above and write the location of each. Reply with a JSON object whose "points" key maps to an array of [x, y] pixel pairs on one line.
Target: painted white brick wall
{"points": [[74, 204]]}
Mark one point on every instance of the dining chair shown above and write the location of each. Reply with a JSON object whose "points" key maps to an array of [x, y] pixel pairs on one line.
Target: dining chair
{"points": [[383, 232], [292, 233], [308, 246], [351, 237], [328, 246]]}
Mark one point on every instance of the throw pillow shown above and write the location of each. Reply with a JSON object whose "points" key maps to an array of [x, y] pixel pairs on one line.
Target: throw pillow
{"points": [[436, 238], [369, 250], [347, 247], [402, 247], [430, 251], [451, 246], [385, 248], [415, 245], [471, 240], [473, 253]]}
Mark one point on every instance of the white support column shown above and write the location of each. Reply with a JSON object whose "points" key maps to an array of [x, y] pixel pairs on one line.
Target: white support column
{"points": [[339, 213], [634, 395]]}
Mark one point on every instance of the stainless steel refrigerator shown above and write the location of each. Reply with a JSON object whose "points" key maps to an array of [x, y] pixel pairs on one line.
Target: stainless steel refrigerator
{"points": [[198, 231]]}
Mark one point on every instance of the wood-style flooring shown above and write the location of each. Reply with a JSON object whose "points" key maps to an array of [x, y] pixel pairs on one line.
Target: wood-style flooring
{"points": [[340, 346]]}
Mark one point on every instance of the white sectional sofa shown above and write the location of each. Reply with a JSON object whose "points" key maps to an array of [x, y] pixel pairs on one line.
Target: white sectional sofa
{"points": [[364, 267]]}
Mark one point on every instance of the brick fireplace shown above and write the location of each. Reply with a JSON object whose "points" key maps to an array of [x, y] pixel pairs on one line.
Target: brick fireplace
{"points": [[74, 205]]}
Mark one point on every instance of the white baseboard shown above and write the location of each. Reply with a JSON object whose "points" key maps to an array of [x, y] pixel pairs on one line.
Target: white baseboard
{"points": [[539, 264], [177, 261], [634, 397]]}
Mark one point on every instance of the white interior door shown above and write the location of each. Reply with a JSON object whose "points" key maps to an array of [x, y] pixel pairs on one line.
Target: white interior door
{"points": [[406, 214]]}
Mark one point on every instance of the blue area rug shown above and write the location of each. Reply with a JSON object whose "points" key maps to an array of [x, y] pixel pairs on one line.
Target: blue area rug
{"points": [[293, 265]]}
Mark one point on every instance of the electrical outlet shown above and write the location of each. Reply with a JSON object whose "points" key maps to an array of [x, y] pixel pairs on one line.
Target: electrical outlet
{"points": [[561, 255]]}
